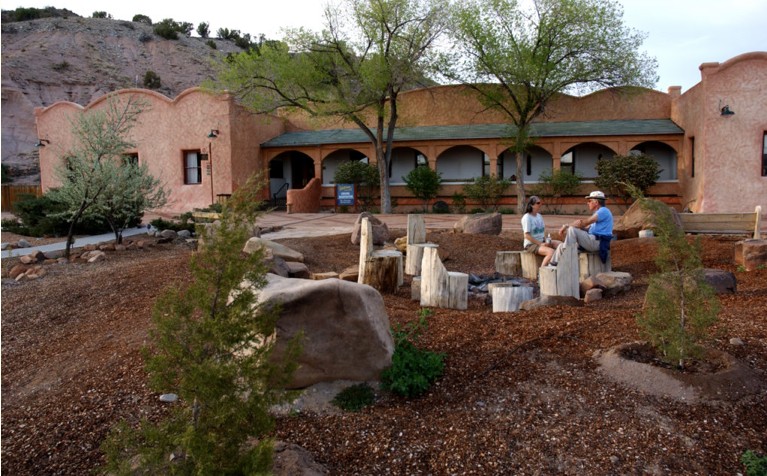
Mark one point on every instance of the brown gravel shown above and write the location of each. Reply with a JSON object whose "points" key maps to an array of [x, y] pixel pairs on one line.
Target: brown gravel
{"points": [[521, 393]]}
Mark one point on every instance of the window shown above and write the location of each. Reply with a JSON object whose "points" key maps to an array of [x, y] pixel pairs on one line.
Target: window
{"points": [[764, 155], [529, 167], [420, 160], [192, 167], [486, 166], [567, 162], [692, 156]]}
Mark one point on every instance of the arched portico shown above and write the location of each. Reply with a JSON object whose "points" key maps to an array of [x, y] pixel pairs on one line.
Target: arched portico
{"points": [[332, 161], [462, 163], [536, 161], [582, 159], [289, 170], [403, 161], [664, 154]]}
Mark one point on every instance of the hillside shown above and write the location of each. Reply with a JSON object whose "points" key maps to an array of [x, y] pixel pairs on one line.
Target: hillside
{"points": [[80, 59]]}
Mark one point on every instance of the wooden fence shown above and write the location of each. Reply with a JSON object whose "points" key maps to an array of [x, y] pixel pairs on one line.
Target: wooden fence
{"points": [[12, 193]]}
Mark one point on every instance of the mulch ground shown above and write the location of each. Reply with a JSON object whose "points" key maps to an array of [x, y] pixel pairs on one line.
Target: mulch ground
{"points": [[521, 393]]}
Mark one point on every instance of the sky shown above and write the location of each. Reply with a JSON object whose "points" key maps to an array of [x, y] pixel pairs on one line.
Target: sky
{"points": [[681, 34]]}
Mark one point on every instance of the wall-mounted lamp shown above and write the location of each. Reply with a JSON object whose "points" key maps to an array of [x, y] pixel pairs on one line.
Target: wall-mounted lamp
{"points": [[42, 142], [726, 111], [213, 134]]}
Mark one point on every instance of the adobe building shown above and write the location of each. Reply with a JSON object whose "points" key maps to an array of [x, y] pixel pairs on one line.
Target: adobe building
{"points": [[710, 142]]}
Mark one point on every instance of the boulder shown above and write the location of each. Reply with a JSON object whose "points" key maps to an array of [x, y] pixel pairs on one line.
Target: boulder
{"points": [[480, 224], [594, 294], [184, 234], [278, 266], [592, 282], [614, 282], [276, 249], [22, 243], [345, 328], [636, 219], [293, 460], [298, 270], [380, 229], [351, 273], [751, 254], [723, 282], [326, 275], [93, 256], [18, 270]]}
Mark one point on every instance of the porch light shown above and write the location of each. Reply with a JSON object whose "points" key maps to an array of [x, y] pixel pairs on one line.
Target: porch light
{"points": [[213, 134], [726, 111], [42, 142]]}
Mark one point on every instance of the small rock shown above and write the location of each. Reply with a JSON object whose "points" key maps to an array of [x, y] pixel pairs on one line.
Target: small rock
{"points": [[594, 294], [736, 341], [168, 397], [184, 234], [22, 243]]}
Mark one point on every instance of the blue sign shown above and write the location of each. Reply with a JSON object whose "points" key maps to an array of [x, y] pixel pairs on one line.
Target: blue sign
{"points": [[345, 194]]}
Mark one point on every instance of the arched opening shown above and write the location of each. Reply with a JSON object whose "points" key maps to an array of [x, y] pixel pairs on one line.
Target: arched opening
{"points": [[583, 158], [663, 154], [289, 170], [332, 161], [403, 161], [462, 164], [536, 161]]}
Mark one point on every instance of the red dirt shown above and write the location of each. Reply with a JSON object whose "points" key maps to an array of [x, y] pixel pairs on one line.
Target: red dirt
{"points": [[521, 393]]}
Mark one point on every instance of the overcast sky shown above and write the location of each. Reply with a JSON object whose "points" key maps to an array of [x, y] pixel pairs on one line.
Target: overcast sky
{"points": [[682, 34]]}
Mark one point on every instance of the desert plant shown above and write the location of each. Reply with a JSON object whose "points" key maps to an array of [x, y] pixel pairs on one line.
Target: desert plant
{"points": [[169, 29], [364, 177], [755, 464], [680, 306], [556, 184], [355, 397], [152, 80], [618, 174], [100, 14], [424, 183], [139, 18], [487, 190], [62, 66], [5, 174], [459, 202], [203, 29], [212, 44], [211, 346], [413, 370]]}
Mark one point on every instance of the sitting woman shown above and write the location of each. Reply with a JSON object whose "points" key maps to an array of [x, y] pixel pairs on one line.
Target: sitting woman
{"points": [[535, 231]]}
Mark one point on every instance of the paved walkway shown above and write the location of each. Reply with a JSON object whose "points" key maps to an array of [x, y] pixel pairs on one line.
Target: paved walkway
{"points": [[298, 225]]}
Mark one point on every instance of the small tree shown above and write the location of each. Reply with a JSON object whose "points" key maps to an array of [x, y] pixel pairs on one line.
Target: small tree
{"points": [[100, 14], [152, 80], [364, 177], [93, 165], [211, 345], [139, 18], [557, 184], [424, 183], [132, 191], [637, 170], [203, 29], [679, 305], [487, 190]]}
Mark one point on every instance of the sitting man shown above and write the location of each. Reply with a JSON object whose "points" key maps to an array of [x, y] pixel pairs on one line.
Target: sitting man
{"points": [[599, 226]]}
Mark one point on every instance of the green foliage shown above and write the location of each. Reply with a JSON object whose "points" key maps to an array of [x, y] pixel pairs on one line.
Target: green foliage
{"points": [[487, 190], [43, 216], [619, 174], [355, 397], [100, 14], [680, 306], [203, 29], [424, 183], [755, 465], [152, 80], [169, 29], [556, 185], [365, 178], [212, 44], [210, 345], [413, 370], [459, 202], [5, 175], [62, 66], [139, 18]]}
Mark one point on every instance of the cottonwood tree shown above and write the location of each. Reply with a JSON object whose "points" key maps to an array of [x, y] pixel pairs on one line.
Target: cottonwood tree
{"points": [[93, 166], [211, 345], [367, 54], [519, 55]]}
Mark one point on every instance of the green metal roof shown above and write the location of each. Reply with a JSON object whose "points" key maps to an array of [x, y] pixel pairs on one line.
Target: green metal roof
{"points": [[481, 131]]}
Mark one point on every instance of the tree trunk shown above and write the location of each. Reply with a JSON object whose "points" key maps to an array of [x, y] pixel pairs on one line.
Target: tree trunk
{"points": [[520, 183]]}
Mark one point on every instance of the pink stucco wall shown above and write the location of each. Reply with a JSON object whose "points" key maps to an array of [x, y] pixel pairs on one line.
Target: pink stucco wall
{"points": [[728, 149], [167, 128]]}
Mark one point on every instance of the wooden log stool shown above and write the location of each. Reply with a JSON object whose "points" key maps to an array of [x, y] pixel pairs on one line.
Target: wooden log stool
{"points": [[591, 264], [518, 263], [562, 279], [442, 288], [507, 297], [381, 269]]}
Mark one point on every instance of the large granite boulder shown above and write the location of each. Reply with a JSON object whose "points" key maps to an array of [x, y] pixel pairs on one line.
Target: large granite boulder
{"points": [[346, 334], [636, 219], [722, 281], [273, 249], [380, 229], [480, 224]]}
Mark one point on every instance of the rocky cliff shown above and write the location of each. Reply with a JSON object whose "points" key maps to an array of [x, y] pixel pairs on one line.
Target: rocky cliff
{"points": [[79, 59]]}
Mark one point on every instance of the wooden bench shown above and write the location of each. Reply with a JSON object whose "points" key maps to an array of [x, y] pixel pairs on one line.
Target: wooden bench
{"points": [[205, 216], [723, 223]]}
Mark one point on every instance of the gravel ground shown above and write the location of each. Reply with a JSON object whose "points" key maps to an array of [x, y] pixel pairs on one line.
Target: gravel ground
{"points": [[521, 393]]}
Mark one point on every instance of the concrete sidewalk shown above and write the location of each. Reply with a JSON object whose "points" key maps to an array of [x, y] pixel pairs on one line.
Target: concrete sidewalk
{"points": [[79, 243]]}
